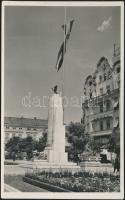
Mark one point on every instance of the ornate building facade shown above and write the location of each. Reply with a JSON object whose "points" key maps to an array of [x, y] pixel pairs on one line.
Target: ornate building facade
{"points": [[102, 99], [23, 127]]}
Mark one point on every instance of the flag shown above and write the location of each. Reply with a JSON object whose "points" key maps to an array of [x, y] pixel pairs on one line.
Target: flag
{"points": [[67, 30], [60, 57]]}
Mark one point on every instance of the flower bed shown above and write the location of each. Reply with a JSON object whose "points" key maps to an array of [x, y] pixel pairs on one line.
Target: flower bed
{"points": [[79, 182]]}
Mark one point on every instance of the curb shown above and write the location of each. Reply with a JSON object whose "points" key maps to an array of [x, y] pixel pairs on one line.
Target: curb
{"points": [[43, 185], [10, 188]]}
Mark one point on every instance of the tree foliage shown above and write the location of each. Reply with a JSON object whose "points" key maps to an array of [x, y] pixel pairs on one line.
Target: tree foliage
{"points": [[77, 138], [28, 145]]}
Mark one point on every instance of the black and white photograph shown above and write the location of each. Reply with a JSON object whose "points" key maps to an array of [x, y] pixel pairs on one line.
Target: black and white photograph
{"points": [[62, 128]]}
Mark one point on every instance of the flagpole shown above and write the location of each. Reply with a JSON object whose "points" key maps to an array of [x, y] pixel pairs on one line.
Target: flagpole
{"points": [[63, 69]]}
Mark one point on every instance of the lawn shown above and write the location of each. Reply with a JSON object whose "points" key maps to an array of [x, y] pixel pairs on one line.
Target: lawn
{"points": [[18, 183]]}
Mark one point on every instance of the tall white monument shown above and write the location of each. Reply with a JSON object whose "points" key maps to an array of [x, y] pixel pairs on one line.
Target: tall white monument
{"points": [[56, 132], [56, 156]]}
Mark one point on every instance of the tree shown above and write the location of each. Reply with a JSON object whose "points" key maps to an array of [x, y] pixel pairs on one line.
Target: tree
{"points": [[27, 145], [95, 146], [13, 144], [42, 142], [76, 136], [19, 145], [114, 141]]}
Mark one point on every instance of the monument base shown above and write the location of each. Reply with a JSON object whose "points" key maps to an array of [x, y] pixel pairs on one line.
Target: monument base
{"points": [[96, 167], [56, 157], [47, 166]]}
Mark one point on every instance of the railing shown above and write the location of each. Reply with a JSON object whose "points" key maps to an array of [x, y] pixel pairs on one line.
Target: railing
{"points": [[102, 114], [100, 133]]}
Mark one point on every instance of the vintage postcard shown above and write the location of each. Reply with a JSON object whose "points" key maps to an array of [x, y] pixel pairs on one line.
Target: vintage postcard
{"points": [[62, 130]]}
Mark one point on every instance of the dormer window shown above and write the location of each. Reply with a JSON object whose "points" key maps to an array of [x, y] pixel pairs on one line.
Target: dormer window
{"points": [[90, 83], [104, 67]]}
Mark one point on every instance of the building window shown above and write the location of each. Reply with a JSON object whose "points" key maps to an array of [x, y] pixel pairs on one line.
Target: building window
{"points": [[108, 89], [14, 128], [101, 91], [118, 69], [34, 129], [90, 83], [104, 66], [118, 84], [108, 105], [100, 78], [90, 94], [101, 125], [84, 91], [108, 123], [104, 77], [93, 126], [20, 128], [101, 107], [28, 129]]}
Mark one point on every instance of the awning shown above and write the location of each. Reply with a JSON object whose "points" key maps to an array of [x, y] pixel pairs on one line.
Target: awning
{"points": [[115, 104]]}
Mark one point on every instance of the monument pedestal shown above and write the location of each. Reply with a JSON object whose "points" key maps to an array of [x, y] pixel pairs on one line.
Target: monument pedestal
{"points": [[56, 155]]}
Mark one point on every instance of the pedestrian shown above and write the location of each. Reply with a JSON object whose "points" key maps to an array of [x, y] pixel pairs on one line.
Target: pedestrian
{"points": [[117, 164], [14, 157]]}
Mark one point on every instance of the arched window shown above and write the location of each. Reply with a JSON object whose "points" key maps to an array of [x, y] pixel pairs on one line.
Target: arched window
{"points": [[90, 83]]}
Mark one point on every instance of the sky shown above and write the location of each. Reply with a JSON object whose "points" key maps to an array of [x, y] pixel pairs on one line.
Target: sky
{"points": [[33, 36]]}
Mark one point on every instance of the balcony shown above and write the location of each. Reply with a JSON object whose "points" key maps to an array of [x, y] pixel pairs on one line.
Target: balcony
{"points": [[101, 115], [101, 133], [100, 98]]}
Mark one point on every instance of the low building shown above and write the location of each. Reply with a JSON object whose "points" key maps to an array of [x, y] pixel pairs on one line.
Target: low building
{"points": [[101, 100], [23, 127]]}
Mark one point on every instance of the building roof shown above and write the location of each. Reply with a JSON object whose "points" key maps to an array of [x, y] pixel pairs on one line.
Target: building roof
{"points": [[25, 122]]}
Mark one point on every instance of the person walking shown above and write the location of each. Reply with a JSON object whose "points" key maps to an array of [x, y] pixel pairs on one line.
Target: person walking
{"points": [[14, 157], [117, 164]]}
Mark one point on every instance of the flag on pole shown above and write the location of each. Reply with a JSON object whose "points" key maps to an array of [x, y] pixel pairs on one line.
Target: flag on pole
{"points": [[67, 30], [60, 57]]}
